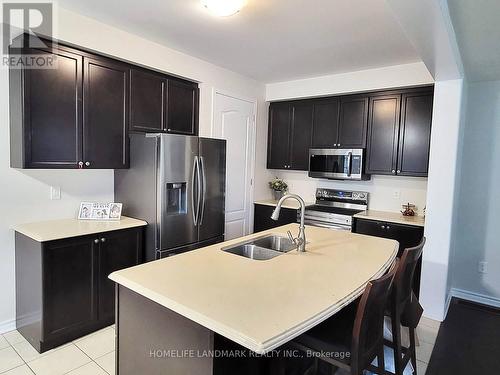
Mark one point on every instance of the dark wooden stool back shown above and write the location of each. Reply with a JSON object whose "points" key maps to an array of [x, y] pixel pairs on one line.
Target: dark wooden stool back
{"points": [[405, 308], [368, 332], [403, 281]]}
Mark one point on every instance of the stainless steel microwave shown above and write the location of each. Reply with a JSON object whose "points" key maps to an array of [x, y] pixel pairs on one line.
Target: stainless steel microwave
{"points": [[339, 164]]}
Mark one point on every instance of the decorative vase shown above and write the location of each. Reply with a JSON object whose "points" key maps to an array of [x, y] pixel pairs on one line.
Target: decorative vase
{"points": [[278, 194]]}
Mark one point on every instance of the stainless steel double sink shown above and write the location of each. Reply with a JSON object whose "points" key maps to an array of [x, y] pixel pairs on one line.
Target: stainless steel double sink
{"points": [[262, 248]]}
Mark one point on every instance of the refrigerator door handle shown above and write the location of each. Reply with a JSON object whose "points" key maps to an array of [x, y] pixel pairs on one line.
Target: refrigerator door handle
{"points": [[198, 179], [195, 178], [204, 189]]}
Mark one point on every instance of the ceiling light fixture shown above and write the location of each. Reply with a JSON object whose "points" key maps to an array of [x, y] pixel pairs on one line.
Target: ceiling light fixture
{"points": [[223, 8]]}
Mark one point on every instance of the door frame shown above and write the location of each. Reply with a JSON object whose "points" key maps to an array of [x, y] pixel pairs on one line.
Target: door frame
{"points": [[253, 140]]}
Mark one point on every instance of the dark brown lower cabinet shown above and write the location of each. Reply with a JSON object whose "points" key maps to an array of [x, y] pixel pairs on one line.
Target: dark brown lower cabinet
{"points": [[262, 217], [62, 286], [118, 250], [406, 235]]}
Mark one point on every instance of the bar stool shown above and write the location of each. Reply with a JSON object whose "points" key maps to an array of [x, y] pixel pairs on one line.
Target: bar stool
{"points": [[353, 341], [404, 309]]}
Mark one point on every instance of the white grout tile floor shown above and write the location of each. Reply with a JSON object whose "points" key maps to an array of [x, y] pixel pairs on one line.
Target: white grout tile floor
{"points": [[89, 355], [427, 332], [95, 354]]}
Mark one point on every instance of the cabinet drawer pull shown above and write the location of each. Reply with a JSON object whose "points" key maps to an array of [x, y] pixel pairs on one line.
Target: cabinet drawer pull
{"points": [[96, 240], [103, 239]]}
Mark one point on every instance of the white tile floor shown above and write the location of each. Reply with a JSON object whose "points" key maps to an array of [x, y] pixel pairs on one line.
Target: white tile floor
{"points": [[427, 332], [90, 355], [95, 354]]}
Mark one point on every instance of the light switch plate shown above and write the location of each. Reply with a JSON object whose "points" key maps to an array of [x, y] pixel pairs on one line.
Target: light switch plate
{"points": [[55, 193]]}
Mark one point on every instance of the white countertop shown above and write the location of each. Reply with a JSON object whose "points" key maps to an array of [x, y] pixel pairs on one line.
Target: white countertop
{"points": [[289, 203], [57, 229], [264, 304], [392, 217]]}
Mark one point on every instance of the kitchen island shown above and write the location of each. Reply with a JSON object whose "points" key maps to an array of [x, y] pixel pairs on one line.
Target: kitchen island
{"points": [[171, 311]]}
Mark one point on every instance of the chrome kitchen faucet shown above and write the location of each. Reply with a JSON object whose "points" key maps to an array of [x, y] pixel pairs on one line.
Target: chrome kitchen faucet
{"points": [[300, 241]]}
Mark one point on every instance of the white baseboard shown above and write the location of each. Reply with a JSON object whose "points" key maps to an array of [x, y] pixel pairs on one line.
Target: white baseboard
{"points": [[475, 297], [7, 326], [448, 302]]}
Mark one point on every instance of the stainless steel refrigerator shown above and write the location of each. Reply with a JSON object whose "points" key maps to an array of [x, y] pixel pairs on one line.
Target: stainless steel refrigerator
{"points": [[177, 184]]}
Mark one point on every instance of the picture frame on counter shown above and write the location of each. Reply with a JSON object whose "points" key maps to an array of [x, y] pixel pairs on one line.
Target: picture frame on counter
{"points": [[99, 211]]}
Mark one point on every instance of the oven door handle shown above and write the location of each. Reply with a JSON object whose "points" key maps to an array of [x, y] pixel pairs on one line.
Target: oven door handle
{"points": [[329, 226], [349, 164]]}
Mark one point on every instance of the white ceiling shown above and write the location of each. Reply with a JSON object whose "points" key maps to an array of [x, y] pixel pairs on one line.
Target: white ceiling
{"points": [[477, 28], [268, 40]]}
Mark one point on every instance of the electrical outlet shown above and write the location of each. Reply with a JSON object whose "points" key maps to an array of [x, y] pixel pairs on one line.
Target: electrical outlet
{"points": [[396, 194], [482, 267], [55, 193]]}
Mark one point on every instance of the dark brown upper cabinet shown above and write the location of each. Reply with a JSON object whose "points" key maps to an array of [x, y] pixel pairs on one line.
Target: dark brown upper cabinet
{"points": [[72, 116], [301, 132], [340, 122], [105, 119], [78, 114], [160, 103], [46, 113], [383, 130], [353, 122], [394, 126], [147, 101], [415, 134], [326, 123], [182, 107], [290, 132], [278, 150], [399, 133]]}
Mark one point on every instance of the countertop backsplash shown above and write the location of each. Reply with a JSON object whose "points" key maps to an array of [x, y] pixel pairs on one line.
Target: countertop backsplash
{"points": [[382, 189]]}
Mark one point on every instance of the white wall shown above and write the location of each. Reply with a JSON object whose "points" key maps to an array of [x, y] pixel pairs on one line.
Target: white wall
{"points": [[381, 189], [364, 80], [440, 197], [478, 220], [26, 193], [25, 197]]}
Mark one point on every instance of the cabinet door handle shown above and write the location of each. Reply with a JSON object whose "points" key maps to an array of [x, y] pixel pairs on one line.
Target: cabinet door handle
{"points": [[383, 226], [96, 240], [103, 239], [87, 163], [387, 227], [80, 164], [399, 171], [394, 171]]}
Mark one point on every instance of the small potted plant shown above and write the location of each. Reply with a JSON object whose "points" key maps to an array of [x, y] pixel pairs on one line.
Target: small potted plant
{"points": [[279, 187]]}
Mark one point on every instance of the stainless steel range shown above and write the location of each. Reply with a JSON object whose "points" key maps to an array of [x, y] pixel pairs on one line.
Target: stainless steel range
{"points": [[335, 208]]}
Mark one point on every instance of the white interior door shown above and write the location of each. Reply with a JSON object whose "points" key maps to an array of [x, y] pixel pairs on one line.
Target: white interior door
{"points": [[234, 122]]}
